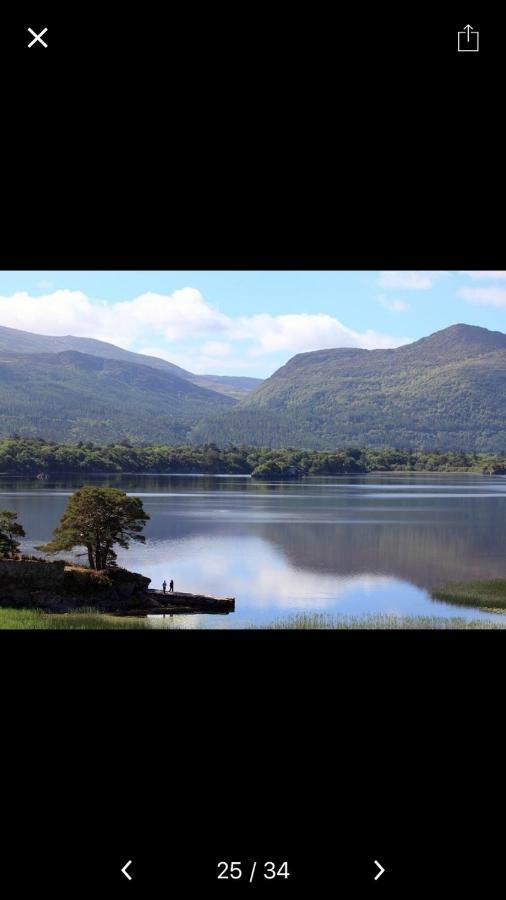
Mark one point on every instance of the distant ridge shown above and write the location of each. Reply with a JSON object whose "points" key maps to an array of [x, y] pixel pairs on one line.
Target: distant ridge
{"points": [[73, 396], [445, 391], [456, 342], [13, 340]]}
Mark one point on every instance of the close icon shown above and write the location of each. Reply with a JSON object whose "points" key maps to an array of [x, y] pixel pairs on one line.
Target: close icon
{"points": [[124, 870], [381, 870], [468, 40], [37, 38]]}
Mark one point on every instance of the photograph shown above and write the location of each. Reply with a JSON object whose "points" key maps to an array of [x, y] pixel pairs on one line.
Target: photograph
{"points": [[252, 453], [252, 450]]}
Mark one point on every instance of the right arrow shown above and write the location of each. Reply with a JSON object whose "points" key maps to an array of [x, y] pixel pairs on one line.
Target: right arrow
{"points": [[381, 870]]}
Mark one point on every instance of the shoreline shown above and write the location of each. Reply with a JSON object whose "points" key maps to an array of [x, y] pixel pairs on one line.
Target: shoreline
{"points": [[61, 587], [89, 619], [373, 472], [485, 595]]}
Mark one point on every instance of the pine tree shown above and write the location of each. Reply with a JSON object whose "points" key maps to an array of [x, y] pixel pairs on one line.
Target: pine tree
{"points": [[97, 518], [10, 529]]}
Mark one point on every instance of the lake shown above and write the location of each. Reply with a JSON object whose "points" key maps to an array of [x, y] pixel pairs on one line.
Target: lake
{"points": [[350, 545]]}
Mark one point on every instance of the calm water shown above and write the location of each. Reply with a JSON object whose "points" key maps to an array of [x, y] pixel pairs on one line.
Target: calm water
{"points": [[363, 544]]}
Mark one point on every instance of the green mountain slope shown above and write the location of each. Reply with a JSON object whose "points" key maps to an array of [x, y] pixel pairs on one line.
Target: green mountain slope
{"points": [[14, 341], [75, 396], [233, 385], [444, 391]]}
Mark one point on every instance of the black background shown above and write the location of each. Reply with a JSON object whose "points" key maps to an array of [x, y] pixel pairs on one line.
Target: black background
{"points": [[243, 140]]}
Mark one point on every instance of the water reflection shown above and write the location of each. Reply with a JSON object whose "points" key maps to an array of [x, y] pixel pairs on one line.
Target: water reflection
{"points": [[349, 545]]}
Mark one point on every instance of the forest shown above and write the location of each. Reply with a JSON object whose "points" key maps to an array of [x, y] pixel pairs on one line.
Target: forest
{"points": [[38, 457]]}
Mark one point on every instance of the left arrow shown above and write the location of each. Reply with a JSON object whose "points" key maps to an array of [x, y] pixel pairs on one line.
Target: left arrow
{"points": [[124, 870]]}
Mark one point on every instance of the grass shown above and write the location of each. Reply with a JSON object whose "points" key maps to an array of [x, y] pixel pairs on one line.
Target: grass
{"points": [[91, 620], [385, 622], [85, 620], [489, 595]]}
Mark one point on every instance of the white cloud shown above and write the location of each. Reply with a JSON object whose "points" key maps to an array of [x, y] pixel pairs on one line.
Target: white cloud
{"points": [[217, 348], [173, 325], [178, 315], [410, 281], [484, 296], [196, 360], [484, 275], [301, 332], [174, 316], [62, 312], [394, 305]]}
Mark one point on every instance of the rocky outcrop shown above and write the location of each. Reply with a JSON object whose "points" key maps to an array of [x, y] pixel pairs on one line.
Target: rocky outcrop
{"points": [[59, 586]]}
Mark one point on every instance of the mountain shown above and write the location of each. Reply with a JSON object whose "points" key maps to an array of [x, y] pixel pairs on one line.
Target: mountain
{"points": [[445, 391], [72, 396], [233, 385], [14, 341]]}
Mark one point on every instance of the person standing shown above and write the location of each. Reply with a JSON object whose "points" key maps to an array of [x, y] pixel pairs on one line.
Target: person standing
{"points": [[171, 587], [164, 586]]}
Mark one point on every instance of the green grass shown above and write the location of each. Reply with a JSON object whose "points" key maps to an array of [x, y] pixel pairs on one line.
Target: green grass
{"points": [[385, 622], [91, 620], [484, 594], [85, 620]]}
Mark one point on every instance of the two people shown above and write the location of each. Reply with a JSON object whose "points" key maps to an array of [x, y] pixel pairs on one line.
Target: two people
{"points": [[171, 586]]}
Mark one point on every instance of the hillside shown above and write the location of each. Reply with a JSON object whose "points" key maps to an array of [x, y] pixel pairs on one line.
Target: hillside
{"points": [[444, 391], [236, 386], [72, 396], [14, 341]]}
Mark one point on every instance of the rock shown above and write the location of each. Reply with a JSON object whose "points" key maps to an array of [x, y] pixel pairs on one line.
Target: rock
{"points": [[64, 586]]}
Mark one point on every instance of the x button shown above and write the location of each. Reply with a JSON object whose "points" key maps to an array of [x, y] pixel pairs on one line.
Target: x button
{"points": [[37, 38]]}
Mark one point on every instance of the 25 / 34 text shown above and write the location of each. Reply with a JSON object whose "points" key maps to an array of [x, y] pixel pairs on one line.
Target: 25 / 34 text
{"points": [[252, 870]]}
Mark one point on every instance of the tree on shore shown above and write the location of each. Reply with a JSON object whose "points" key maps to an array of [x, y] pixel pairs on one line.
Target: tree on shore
{"points": [[10, 529], [98, 518]]}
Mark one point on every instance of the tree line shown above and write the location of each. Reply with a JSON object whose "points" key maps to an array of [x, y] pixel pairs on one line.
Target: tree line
{"points": [[33, 457]]}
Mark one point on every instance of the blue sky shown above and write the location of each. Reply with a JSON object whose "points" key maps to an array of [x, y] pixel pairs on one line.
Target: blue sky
{"points": [[249, 323]]}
